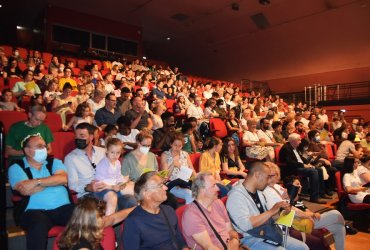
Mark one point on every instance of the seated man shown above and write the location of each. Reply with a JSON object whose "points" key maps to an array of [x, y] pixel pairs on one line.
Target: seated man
{"points": [[195, 227], [152, 225], [298, 165], [81, 164], [109, 114], [345, 149], [28, 87], [21, 130], [365, 144], [42, 182], [138, 117], [247, 209]]}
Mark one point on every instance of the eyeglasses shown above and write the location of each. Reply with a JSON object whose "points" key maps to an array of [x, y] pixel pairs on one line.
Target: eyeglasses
{"points": [[112, 100], [39, 146]]}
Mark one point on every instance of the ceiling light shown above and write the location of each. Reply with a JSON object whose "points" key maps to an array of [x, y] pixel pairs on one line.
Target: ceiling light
{"points": [[144, 57], [1, 5], [20, 28], [264, 2], [168, 38]]}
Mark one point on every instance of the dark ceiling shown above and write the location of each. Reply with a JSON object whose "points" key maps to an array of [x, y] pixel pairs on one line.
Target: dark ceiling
{"points": [[202, 32]]}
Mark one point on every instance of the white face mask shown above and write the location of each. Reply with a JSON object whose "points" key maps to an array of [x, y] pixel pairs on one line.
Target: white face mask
{"points": [[16, 53], [144, 150]]}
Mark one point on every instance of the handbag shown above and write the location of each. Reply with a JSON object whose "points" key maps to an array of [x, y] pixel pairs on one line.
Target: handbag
{"points": [[268, 231]]}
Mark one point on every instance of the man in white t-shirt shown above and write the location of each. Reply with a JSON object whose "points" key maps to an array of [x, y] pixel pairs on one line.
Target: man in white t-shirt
{"points": [[126, 134]]}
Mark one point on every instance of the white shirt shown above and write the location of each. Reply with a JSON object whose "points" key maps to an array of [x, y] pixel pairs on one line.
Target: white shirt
{"points": [[80, 169], [207, 94], [352, 180], [324, 118], [129, 138], [267, 135], [95, 106], [344, 150], [194, 111], [272, 197], [362, 170], [299, 159]]}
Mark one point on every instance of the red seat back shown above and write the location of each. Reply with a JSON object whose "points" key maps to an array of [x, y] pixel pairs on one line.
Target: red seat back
{"points": [[63, 144], [179, 212], [8, 118], [169, 105], [54, 121], [338, 182], [329, 151], [224, 199], [195, 157], [13, 80], [2, 85], [218, 127]]}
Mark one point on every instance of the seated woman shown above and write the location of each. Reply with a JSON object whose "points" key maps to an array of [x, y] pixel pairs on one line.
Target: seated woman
{"points": [[209, 111], [210, 161], [316, 149], [232, 166], [255, 149], [64, 104], [352, 183], [332, 220], [89, 213], [176, 160], [180, 106], [233, 128], [363, 171], [140, 160]]}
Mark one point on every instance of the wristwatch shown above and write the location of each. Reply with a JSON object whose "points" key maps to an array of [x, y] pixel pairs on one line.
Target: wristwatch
{"points": [[38, 182]]}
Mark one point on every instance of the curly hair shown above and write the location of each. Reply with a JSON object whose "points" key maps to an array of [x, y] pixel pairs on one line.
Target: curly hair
{"points": [[86, 222]]}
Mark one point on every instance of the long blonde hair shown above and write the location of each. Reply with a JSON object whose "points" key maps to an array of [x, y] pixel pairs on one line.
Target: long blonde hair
{"points": [[86, 222]]}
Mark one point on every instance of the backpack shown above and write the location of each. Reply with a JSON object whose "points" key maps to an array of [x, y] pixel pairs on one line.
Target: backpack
{"points": [[21, 205]]}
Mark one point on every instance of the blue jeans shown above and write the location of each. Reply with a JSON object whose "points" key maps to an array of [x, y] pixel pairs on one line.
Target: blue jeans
{"points": [[183, 193], [258, 243], [314, 178]]}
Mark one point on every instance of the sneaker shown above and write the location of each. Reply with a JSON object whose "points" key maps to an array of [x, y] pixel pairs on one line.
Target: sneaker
{"points": [[351, 230]]}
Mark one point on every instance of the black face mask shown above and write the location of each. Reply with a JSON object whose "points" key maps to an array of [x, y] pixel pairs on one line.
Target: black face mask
{"points": [[81, 143]]}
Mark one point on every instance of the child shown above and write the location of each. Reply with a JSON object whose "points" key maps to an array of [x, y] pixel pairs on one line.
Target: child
{"points": [[108, 171], [7, 103], [189, 142], [110, 131], [52, 92], [126, 134], [82, 94], [83, 114]]}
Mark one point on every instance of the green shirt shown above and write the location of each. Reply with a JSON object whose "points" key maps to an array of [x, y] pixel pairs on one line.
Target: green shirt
{"points": [[20, 130]]}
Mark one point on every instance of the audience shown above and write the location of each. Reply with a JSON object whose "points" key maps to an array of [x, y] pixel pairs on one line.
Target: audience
{"points": [[126, 114]]}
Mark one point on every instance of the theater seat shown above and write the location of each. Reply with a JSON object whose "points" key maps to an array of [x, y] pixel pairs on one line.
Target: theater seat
{"points": [[195, 157], [2, 84], [12, 81], [343, 194], [218, 127], [63, 144], [8, 118], [54, 121], [179, 212], [169, 105]]}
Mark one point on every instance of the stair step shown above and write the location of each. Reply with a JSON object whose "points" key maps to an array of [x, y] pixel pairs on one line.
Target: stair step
{"points": [[15, 231]]}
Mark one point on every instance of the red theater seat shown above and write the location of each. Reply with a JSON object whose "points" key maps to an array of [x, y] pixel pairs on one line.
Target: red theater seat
{"points": [[12, 81], [218, 127], [63, 144], [54, 121], [195, 157], [8, 118], [179, 212]]}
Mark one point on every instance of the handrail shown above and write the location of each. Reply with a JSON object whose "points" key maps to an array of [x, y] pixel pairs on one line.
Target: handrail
{"points": [[3, 231]]}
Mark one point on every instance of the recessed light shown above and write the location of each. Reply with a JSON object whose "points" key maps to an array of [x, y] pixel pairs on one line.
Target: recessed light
{"points": [[168, 38], [144, 57], [20, 28], [1, 6]]}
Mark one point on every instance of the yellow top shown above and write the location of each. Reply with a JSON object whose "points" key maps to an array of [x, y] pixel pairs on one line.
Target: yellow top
{"points": [[207, 163], [63, 81]]}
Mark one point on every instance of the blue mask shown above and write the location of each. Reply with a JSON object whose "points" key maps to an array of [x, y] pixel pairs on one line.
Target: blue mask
{"points": [[40, 155]]}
